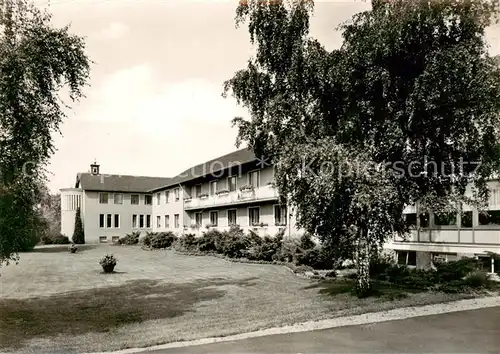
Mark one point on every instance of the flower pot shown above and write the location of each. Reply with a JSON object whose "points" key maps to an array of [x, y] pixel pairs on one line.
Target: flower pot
{"points": [[108, 268]]}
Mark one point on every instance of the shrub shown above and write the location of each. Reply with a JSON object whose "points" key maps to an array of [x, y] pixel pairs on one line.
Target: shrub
{"points": [[456, 270], [162, 240], [146, 240], [306, 242], [78, 233], [186, 242], [268, 249], [60, 239], [57, 239], [289, 251], [379, 264], [208, 242], [477, 279], [212, 241], [318, 258], [130, 239], [235, 246]]}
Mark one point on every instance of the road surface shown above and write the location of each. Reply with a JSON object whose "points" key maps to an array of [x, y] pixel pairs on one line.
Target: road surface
{"points": [[475, 331]]}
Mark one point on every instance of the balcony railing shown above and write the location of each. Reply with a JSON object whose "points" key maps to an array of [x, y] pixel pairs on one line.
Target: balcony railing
{"points": [[236, 197]]}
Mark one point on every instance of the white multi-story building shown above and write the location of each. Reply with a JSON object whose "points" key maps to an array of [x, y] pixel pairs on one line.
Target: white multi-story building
{"points": [[465, 234], [110, 205], [234, 189], [237, 189]]}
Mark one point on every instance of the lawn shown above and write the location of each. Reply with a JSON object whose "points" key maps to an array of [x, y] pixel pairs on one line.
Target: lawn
{"points": [[57, 301]]}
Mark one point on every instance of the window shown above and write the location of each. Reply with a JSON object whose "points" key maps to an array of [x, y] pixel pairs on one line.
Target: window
{"points": [[176, 221], [108, 220], [115, 239], [101, 220], [148, 199], [213, 187], [148, 221], [407, 258], [445, 219], [167, 197], [134, 199], [231, 217], [214, 218], [280, 215], [134, 221], [254, 216], [118, 198], [117, 221], [158, 221], [103, 198], [103, 239], [141, 221], [491, 217], [466, 220], [231, 183], [167, 221], [253, 179], [198, 217], [158, 198], [176, 194], [443, 257], [411, 219], [424, 219], [197, 191]]}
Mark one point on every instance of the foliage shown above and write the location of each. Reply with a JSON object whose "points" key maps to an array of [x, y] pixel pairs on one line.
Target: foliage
{"points": [[162, 240], [456, 276], [108, 260], [37, 62], [306, 242], [78, 233], [187, 242], [130, 239], [146, 240], [55, 240], [412, 82]]}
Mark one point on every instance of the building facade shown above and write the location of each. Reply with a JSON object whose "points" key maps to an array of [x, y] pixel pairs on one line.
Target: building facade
{"points": [[233, 190], [468, 233], [111, 206], [238, 189]]}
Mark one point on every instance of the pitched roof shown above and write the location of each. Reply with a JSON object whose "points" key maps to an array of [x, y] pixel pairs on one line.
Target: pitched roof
{"points": [[236, 158], [118, 183]]}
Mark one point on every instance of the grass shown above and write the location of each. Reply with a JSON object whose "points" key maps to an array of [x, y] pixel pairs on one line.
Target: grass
{"points": [[57, 301]]}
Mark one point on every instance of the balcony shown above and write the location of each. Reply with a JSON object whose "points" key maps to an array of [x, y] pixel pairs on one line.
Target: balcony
{"points": [[232, 198]]}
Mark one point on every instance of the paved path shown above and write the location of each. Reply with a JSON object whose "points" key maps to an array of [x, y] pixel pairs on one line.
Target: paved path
{"points": [[475, 331]]}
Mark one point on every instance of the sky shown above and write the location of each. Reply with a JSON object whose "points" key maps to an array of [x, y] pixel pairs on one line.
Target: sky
{"points": [[153, 106]]}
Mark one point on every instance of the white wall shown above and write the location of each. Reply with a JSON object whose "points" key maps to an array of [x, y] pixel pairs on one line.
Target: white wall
{"points": [[169, 207], [92, 210], [71, 198]]}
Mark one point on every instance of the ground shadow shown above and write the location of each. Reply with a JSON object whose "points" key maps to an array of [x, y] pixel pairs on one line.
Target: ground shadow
{"points": [[62, 248], [347, 286], [103, 309]]}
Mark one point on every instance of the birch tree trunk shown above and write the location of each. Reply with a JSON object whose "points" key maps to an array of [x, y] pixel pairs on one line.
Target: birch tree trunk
{"points": [[363, 264]]}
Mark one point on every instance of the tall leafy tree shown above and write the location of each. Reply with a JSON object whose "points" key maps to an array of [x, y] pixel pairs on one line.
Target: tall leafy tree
{"points": [[357, 133], [36, 62]]}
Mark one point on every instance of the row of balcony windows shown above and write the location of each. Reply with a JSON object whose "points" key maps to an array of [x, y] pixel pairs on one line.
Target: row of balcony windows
{"points": [[491, 217]]}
